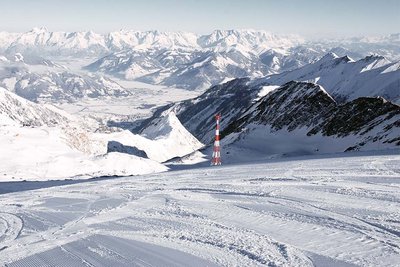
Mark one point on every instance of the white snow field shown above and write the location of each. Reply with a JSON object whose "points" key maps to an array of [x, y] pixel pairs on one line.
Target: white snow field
{"points": [[332, 211]]}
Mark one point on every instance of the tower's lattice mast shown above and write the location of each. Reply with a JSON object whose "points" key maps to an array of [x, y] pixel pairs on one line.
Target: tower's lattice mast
{"points": [[216, 156]]}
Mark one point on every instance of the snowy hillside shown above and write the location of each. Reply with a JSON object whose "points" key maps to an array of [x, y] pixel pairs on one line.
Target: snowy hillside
{"points": [[163, 140], [17, 110], [43, 142], [52, 153], [332, 211], [40, 142]]}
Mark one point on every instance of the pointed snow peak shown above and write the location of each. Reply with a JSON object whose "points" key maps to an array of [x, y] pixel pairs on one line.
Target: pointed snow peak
{"points": [[373, 62], [90, 33], [39, 30], [293, 105], [302, 89], [346, 59], [331, 60], [328, 57]]}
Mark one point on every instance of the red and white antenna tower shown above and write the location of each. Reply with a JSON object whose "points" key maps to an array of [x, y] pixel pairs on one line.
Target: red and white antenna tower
{"points": [[216, 156]]}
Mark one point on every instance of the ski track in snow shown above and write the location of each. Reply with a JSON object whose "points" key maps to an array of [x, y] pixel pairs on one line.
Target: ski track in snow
{"points": [[300, 212]]}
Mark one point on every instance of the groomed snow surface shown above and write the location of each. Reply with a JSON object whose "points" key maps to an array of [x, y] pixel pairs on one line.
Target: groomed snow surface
{"points": [[332, 211]]}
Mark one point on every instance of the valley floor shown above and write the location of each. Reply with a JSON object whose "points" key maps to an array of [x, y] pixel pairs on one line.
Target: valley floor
{"points": [[340, 211], [124, 111]]}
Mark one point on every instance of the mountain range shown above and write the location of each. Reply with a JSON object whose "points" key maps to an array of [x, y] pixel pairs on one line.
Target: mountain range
{"points": [[42, 80], [347, 79], [40, 39], [188, 60], [296, 118], [270, 89]]}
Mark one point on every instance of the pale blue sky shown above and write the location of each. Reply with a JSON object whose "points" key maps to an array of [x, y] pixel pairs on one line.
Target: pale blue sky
{"points": [[305, 17]]}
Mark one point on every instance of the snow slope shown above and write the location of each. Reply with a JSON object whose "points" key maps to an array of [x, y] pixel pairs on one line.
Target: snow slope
{"points": [[163, 140], [49, 153], [43, 143], [334, 211], [21, 111], [46, 143]]}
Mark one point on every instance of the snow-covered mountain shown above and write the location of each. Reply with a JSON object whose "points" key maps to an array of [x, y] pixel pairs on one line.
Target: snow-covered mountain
{"points": [[249, 40], [66, 86], [386, 45], [30, 59], [40, 39], [295, 118], [38, 79], [197, 115], [18, 110], [223, 60], [302, 118], [346, 79], [145, 39], [162, 140], [199, 69], [127, 64], [188, 60], [215, 58], [47, 143], [43, 142], [183, 69]]}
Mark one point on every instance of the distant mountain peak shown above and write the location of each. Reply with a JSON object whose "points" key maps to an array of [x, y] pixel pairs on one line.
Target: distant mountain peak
{"points": [[346, 58], [328, 57], [373, 57], [39, 30]]}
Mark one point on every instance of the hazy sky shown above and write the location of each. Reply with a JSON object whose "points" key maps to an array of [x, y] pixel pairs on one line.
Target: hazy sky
{"points": [[305, 17]]}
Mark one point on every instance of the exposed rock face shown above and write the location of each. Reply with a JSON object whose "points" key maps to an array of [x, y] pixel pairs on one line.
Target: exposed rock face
{"points": [[293, 105], [358, 117]]}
